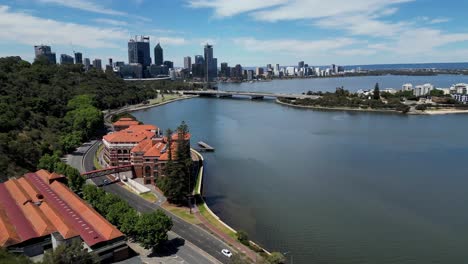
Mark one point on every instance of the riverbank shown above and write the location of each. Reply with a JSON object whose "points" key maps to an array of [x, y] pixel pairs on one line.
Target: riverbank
{"points": [[445, 111], [338, 108]]}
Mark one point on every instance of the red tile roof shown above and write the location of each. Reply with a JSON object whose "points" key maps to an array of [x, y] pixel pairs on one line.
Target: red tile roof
{"points": [[125, 121], [125, 136], [33, 207]]}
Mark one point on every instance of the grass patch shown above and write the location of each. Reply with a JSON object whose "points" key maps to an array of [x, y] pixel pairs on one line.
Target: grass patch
{"points": [[182, 212], [149, 196], [97, 165], [215, 222], [160, 99]]}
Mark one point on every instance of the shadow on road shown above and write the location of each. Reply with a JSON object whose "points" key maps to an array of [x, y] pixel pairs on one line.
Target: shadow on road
{"points": [[171, 247]]}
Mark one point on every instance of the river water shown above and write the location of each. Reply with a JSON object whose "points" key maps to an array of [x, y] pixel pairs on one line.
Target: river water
{"points": [[331, 186]]}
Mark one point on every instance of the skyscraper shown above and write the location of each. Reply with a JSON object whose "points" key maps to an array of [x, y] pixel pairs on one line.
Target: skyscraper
{"points": [[66, 59], [78, 58], [169, 64], [139, 51], [97, 64], [87, 64], [211, 64], [225, 71], [158, 55], [199, 59], [45, 51], [188, 63], [300, 65]]}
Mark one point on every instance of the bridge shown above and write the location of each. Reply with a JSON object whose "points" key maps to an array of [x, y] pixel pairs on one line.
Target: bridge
{"points": [[107, 171], [253, 95]]}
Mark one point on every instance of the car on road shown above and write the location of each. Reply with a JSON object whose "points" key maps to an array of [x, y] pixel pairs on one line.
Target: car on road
{"points": [[105, 182], [226, 253]]}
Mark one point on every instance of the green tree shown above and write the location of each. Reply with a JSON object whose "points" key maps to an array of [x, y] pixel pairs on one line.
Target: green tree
{"points": [[9, 258], [436, 92], [243, 237], [376, 95], [69, 254], [276, 258], [152, 229], [129, 221]]}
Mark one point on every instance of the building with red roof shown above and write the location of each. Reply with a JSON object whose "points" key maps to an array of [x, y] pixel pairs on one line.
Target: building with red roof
{"points": [[124, 123], [142, 146], [39, 212]]}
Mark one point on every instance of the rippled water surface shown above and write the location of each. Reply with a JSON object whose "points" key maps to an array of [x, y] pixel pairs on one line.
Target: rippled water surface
{"points": [[334, 187]]}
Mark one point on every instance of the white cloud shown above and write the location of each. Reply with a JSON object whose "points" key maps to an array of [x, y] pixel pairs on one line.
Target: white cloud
{"points": [[293, 46], [85, 6], [111, 22], [27, 29], [227, 8], [439, 20]]}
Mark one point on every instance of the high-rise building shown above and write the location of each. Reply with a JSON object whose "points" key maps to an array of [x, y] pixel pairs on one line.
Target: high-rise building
{"points": [[87, 64], [225, 71], [277, 70], [238, 72], [169, 64], [300, 65], [139, 50], [199, 59], [210, 63], [45, 51], [158, 55], [78, 58], [111, 62], [188, 63], [97, 64], [66, 59], [259, 71]]}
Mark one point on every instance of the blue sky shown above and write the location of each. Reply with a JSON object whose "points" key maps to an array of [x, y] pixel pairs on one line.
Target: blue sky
{"points": [[249, 32]]}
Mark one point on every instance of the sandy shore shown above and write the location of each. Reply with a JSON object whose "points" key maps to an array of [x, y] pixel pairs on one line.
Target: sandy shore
{"points": [[445, 111]]}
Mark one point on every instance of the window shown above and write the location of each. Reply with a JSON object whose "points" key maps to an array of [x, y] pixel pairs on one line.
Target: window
{"points": [[147, 171], [119, 151]]}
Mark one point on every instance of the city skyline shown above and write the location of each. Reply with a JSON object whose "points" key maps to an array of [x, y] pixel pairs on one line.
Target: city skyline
{"points": [[251, 33]]}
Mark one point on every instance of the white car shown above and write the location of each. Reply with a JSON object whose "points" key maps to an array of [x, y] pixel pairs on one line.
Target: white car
{"points": [[226, 253]]}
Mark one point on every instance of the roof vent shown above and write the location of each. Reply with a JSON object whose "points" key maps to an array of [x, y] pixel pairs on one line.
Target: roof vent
{"points": [[39, 196]]}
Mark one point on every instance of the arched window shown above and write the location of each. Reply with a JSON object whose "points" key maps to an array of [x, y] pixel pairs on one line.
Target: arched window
{"points": [[125, 151], [119, 151], [147, 171]]}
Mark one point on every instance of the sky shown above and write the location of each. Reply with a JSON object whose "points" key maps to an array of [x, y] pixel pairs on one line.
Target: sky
{"points": [[246, 32]]}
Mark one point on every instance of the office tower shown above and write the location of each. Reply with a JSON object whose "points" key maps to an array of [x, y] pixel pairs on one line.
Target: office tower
{"points": [[238, 71], [78, 58], [97, 64], [259, 71], [210, 64], [119, 63], [169, 64], [87, 64], [277, 70], [188, 63], [300, 65], [333, 68], [199, 59], [225, 71], [111, 62], [45, 51], [139, 50], [158, 55], [66, 59], [268, 67]]}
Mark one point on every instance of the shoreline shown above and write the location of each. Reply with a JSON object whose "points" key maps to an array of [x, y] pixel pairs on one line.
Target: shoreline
{"points": [[340, 108], [199, 183]]}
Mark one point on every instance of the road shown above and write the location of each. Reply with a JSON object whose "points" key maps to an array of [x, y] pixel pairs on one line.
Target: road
{"points": [[83, 160]]}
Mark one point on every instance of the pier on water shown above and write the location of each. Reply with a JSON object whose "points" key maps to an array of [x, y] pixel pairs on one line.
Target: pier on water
{"points": [[205, 147]]}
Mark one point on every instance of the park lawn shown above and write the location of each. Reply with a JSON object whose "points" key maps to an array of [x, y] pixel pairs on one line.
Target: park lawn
{"points": [[182, 212], [167, 97], [150, 197], [215, 222]]}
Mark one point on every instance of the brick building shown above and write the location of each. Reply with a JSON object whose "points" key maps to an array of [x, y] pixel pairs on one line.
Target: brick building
{"points": [[124, 123], [39, 212]]}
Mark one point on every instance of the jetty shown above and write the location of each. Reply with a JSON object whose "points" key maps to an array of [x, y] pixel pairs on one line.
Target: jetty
{"points": [[205, 147]]}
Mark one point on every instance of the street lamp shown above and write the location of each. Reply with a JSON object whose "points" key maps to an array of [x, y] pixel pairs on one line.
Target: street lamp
{"points": [[290, 254]]}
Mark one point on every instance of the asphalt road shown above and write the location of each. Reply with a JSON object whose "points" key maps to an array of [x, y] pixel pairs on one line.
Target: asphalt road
{"points": [[83, 159]]}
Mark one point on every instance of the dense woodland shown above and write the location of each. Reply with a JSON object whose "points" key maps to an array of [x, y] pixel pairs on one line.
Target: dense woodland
{"points": [[51, 109]]}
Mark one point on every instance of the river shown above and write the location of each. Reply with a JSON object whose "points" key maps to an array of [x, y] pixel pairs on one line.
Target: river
{"points": [[333, 187]]}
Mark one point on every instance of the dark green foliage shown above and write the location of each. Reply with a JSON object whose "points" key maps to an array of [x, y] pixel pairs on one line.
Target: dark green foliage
{"points": [[47, 108], [69, 254], [149, 229], [177, 182], [9, 258], [276, 258], [421, 107], [52, 163], [243, 237], [152, 229], [238, 259], [436, 92], [376, 94]]}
